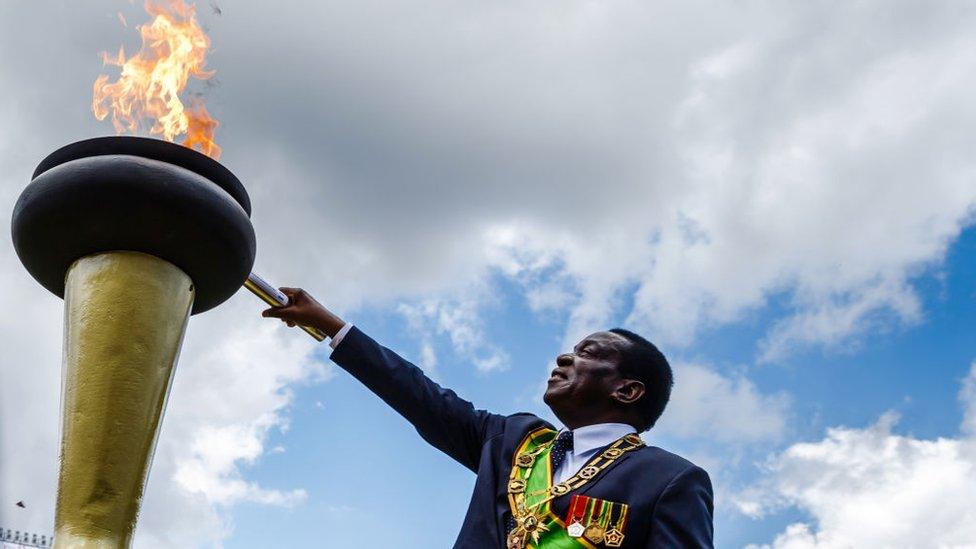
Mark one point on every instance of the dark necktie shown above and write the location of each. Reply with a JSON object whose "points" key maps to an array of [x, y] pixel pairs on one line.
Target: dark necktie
{"points": [[563, 444]]}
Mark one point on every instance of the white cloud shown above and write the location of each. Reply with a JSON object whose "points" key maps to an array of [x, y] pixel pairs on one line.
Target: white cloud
{"points": [[707, 405], [873, 488], [682, 186], [230, 392], [675, 164], [722, 422], [457, 317], [829, 178]]}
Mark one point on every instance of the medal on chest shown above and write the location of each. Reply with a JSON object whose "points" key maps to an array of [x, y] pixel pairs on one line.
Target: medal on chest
{"points": [[616, 519], [577, 512], [530, 491], [594, 530]]}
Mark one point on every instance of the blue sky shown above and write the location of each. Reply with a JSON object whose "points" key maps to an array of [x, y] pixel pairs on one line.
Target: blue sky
{"points": [[780, 195], [420, 496]]}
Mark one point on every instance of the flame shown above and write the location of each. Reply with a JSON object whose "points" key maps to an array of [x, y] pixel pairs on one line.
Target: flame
{"points": [[174, 49]]}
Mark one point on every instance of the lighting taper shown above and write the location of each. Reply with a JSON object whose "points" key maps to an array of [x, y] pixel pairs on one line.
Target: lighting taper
{"points": [[136, 234], [273, 296]]}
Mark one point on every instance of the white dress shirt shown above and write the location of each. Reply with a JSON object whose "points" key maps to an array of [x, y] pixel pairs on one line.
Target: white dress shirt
{"points": [[586, 440], [337, 339]]}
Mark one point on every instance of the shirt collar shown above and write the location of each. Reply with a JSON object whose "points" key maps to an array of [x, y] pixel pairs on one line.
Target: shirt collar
{"points": [[599, 435]]}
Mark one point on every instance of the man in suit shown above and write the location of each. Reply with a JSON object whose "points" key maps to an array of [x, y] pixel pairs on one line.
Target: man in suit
{"points": [[592, 484]]}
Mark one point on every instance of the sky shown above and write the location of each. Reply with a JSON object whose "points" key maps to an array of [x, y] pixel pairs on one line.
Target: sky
{"points": [[781, 195]]}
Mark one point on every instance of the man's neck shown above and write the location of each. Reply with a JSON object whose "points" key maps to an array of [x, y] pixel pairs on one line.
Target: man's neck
{"points": [[616, 425], [574, 425]]}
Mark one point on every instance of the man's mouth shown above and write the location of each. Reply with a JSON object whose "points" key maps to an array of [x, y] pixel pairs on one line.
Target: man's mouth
{"points": [[557, 375]]}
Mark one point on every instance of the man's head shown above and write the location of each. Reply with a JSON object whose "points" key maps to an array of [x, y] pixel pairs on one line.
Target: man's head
{"points": [[614, 376]]}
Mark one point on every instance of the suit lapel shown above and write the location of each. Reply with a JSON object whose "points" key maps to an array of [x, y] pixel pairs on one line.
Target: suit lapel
{"points": [[589, 485]]}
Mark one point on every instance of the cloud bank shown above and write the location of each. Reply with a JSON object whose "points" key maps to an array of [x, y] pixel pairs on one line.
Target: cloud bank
{"points": [[679, 165], [872, 487]]}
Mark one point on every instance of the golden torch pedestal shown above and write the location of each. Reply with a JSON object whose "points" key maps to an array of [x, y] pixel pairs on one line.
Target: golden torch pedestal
{"points": [[136, 235], [125, 314]]}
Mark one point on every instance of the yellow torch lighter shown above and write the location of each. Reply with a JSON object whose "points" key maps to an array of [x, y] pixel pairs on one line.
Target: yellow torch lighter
{"points": [[272, 296]]}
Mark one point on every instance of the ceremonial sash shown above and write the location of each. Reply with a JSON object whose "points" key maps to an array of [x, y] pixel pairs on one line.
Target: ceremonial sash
{"points": [[531, 491]]}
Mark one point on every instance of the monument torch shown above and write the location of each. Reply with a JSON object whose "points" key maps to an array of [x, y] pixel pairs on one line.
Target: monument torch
{"points": [[136, 235]]}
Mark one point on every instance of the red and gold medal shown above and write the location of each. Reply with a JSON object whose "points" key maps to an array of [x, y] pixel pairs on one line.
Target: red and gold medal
{"points": [[577, 510]]}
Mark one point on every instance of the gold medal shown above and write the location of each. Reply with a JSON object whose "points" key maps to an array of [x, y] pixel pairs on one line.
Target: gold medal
{"points": [[560, 489], [613, 538], [514, 540], [594, 533], [612, 453], [596, 513], [532, 527]]}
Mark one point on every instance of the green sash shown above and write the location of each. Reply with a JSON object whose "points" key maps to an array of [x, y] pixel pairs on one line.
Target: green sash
{"points": [[538, 480]]}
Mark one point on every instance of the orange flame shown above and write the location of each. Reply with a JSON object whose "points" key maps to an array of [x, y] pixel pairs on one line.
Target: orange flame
{"points": [[174, 48]]}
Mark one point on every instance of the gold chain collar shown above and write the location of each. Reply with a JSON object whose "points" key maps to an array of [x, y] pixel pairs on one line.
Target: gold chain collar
{"points": [[528, 521]]}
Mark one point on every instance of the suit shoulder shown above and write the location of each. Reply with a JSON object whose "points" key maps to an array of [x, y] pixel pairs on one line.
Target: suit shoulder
{"points": [[518, 426], [522, 423], [663, 460]]}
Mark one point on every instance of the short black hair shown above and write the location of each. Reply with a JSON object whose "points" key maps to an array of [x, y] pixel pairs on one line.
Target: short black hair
{"points": [[642, 361]]}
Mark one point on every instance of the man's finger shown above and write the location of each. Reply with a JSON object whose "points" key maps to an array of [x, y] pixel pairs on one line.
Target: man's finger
{"points": [[273, 312], [290, 292]]}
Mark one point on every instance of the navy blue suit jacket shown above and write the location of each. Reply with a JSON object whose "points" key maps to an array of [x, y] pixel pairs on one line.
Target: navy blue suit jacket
{"points": [[670, 498]]}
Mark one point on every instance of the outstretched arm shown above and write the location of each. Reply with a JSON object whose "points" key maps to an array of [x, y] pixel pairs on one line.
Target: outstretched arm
{"points": [[442, 418]]}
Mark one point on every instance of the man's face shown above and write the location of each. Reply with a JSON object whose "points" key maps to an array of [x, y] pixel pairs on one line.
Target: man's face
{"points": [[588, 376]]}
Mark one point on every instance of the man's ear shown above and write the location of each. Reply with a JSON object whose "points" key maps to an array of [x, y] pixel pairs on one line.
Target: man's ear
{"points": [[629, 391]]}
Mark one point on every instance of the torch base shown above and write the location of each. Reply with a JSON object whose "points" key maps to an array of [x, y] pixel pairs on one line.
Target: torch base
{"points": [[64, 539], [125, 315]]}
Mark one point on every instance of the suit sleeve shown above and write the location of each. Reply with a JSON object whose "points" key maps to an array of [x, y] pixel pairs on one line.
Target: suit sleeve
{"points": [[445, 420], [683, 514]]}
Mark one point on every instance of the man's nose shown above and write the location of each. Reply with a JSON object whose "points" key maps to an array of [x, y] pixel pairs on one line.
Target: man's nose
{"points": [[565, 359]]}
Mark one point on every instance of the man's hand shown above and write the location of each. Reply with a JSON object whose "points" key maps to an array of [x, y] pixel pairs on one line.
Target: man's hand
{"points": [[303, 310]]}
